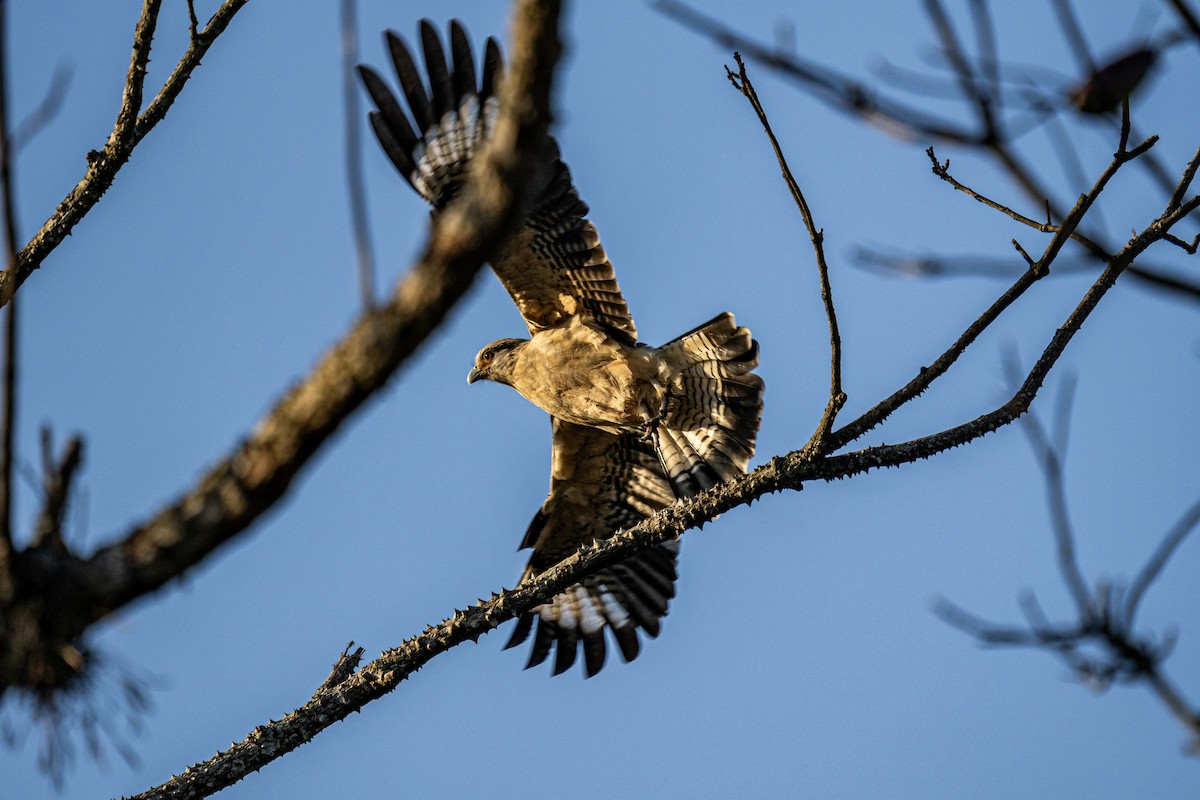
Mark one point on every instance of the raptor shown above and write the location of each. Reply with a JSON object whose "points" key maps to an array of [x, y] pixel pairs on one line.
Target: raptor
{"points": [[634, 427]]}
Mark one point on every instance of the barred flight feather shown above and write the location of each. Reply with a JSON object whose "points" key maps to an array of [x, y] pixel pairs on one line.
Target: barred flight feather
{"points": [[604, 477]]}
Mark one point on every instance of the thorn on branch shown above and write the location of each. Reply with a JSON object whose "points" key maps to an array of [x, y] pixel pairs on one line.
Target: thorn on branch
{"points": [[343, 668]]}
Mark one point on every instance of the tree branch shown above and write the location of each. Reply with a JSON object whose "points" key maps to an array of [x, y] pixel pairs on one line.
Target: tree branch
{"points": [[490, 204], [364, 257], [864, 102], [817, 444], [128, 130], [332, 703]]}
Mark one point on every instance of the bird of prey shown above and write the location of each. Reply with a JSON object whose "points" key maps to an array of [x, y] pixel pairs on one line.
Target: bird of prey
{"points": [[634, 427]]}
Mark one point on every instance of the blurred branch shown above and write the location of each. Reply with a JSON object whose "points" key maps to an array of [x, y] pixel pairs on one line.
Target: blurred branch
{"points": [[58, 475], [9, 411], [490, 203], [354, 170], [128, 130], [839, 91], [1187, 15], [1073, 33], [837, 398], [46, 110], [984, 132], [1105, 614]]}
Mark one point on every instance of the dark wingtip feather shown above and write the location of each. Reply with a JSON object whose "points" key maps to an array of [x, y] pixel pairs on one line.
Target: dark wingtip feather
{"points": [[389, 108], [593, 651], [627, 640], [398, 154], [542, 641], [464, 62], [565, 650], [521, 632], [439, 74], [493, 63], [410, 80]]}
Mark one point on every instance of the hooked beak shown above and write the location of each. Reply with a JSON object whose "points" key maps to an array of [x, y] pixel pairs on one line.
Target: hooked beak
{"points": [[476, 374]]}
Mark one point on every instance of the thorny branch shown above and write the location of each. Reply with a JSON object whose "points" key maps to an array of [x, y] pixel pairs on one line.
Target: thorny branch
{"points": [[332, 703], [491, 202], [241, 487]]}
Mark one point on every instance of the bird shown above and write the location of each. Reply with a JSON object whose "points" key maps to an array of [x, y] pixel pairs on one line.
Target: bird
{"points": [[633, 427]]}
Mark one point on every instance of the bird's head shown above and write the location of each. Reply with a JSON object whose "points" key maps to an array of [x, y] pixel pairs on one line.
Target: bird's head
{"points": [[495, 362]]}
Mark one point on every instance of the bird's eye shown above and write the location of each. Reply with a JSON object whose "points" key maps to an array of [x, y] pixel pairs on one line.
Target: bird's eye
{"points": [[486, 357]]}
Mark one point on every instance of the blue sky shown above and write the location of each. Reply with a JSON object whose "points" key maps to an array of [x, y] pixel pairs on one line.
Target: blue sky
{"points": [[800, 658]]}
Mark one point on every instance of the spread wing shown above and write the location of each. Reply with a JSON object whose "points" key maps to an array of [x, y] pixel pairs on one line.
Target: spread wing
{"points": [[554, 266], [599, 483]]}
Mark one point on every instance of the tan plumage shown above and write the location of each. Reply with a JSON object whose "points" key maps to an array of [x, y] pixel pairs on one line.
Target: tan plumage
{"points": [[634, 427]]}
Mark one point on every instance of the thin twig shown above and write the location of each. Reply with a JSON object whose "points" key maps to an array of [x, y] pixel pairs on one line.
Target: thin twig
{"points": [[193, 22], [1154, 567], [969, 81], [359, 222], [942, 170], [56, 488], [1188, 16], [1074, 36], [864, 102], [128, 131], [1185, 181], [985, 38], [837, 397], [1050, 459], [840, 91], [46, 110]]}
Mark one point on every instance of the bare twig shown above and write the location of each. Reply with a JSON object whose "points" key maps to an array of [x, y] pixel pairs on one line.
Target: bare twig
{"points": [[862, 101], [1188, 15], [364, 257], [1074, 35], [1185, 181], [193, 22], [840, 91], [1154, 567], [1050, 459], [46, 110], [129, 129], [837, 397], [1105, 615], [942, 170], [969, 82], [927, 375], [56, 488]]}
